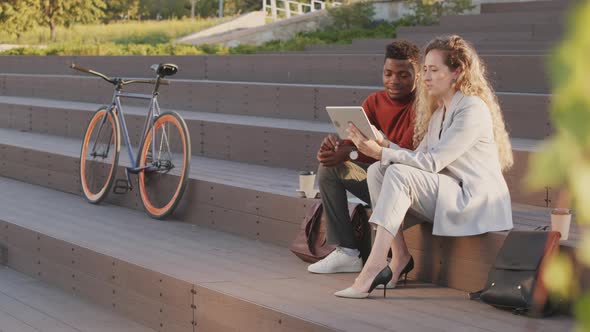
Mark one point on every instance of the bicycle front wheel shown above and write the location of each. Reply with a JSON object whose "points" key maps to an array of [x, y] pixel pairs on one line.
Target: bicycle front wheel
{"points": [[165, 155], [99, 155]]}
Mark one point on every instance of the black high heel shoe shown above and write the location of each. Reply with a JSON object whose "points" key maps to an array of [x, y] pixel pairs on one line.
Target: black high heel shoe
{"points": [[409, 267], [382, 278], [403, 276]]}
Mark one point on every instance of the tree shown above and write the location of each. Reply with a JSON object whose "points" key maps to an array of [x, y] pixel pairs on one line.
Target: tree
{"points": [[207, 8], [165, 8], [564, 160], [122, 9], [56, 13], [18, 16], [233, 7]]}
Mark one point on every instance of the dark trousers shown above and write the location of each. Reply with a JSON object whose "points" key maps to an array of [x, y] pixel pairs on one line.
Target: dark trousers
{"points": [[334, 182]]}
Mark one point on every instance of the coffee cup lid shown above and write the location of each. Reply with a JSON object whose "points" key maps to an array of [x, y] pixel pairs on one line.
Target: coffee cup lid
{"points": [[561, 211]]}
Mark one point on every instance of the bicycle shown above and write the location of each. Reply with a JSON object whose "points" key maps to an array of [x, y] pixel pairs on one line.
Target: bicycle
{"points": [[163, 159]]}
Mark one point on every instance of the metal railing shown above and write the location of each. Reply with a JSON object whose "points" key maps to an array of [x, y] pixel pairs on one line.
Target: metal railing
{"points": [[277, 9]]}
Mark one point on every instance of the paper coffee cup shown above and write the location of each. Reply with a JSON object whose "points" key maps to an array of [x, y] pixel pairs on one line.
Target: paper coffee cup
{"points": [[306, 182], [560, 222]]}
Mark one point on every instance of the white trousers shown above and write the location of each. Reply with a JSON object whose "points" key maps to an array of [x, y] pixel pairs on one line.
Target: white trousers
{"points": [[399, 192]]}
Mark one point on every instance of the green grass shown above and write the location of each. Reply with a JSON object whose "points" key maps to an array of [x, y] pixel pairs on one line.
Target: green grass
{"points": [[155, 39], [116, 49], [131, 32]]}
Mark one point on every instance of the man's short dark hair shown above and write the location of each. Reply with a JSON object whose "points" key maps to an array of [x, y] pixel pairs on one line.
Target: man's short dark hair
{"points": [[403, 50]]}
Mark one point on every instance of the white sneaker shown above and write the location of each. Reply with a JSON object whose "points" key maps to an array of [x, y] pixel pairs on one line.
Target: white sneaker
{"points": [[337, 262]]}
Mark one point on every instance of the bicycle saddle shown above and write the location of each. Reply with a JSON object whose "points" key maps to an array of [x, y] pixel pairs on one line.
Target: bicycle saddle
{"points": [[165, 69]]}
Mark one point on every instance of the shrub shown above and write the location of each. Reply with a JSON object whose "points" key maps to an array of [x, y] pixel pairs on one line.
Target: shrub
{"points": [[355, 15], [428, 12]]}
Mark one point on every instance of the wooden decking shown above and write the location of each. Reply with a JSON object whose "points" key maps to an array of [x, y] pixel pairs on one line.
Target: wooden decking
{"points": [[233, 276], [30, 305], [257, 202], [222, 263]]}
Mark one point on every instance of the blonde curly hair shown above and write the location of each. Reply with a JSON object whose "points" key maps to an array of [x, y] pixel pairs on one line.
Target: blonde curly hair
{"points": [[472, 81]]}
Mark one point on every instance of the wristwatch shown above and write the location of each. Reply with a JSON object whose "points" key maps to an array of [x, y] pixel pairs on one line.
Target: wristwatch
{"points": [[353, 155]]}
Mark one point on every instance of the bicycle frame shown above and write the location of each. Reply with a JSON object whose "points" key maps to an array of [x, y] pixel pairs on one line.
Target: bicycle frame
{"points": [[153, 113]]}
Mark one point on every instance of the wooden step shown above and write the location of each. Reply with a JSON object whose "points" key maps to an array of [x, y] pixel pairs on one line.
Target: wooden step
{"points": [[495, 40], [521, 113], [237, 283], [531, 47], [260, 140], [219, 192], [283, 101], [294, 101], [261, 198], [504, 28], [28, 304], [499, 48], [264, 198], [546, 33], [270, 142], [326, 69], [492, 19]]}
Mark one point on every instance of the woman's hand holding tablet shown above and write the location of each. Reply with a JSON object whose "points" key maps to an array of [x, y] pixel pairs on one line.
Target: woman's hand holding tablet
{"points": [[369, 147]]}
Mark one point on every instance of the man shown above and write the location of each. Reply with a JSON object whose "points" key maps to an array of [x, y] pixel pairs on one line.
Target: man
{"points": [[344, 169]]}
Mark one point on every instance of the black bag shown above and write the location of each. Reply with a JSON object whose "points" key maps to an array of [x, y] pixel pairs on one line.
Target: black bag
{"points": [[515, 280]]}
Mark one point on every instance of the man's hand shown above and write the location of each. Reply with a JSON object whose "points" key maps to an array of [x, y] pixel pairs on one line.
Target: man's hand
{"points": [[366, 146], [334, 158], [330, 143]]}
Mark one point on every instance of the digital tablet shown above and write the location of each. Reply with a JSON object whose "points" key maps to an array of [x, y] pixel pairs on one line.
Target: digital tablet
{"points": [[342, 116]]}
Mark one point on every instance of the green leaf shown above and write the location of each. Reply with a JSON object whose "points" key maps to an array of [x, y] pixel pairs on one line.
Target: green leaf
{"points": [[581, 310], [565, 159], [558, 275], [583, 251], [579, 182], [548, 167]]}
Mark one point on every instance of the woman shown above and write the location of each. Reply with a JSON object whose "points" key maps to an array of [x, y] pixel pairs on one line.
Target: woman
{"points": [[454, 178]]}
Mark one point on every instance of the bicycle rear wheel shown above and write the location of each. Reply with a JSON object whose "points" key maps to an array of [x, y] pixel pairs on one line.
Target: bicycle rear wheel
{"points": [[99, 155], [167, 165]]}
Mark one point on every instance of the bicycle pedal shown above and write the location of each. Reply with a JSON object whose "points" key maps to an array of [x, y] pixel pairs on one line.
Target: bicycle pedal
{"points": [[121, 187]]}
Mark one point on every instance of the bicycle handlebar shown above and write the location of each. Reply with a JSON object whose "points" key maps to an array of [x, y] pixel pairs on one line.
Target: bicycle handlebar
{"points": [[90, 71], [162, 82], [116, 81]]}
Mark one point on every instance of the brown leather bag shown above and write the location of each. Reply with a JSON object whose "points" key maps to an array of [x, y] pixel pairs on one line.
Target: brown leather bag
{"points": [[311, 242]]}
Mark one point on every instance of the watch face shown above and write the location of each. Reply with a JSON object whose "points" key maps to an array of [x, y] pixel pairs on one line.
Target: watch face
{"points": [[353, 155]]}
